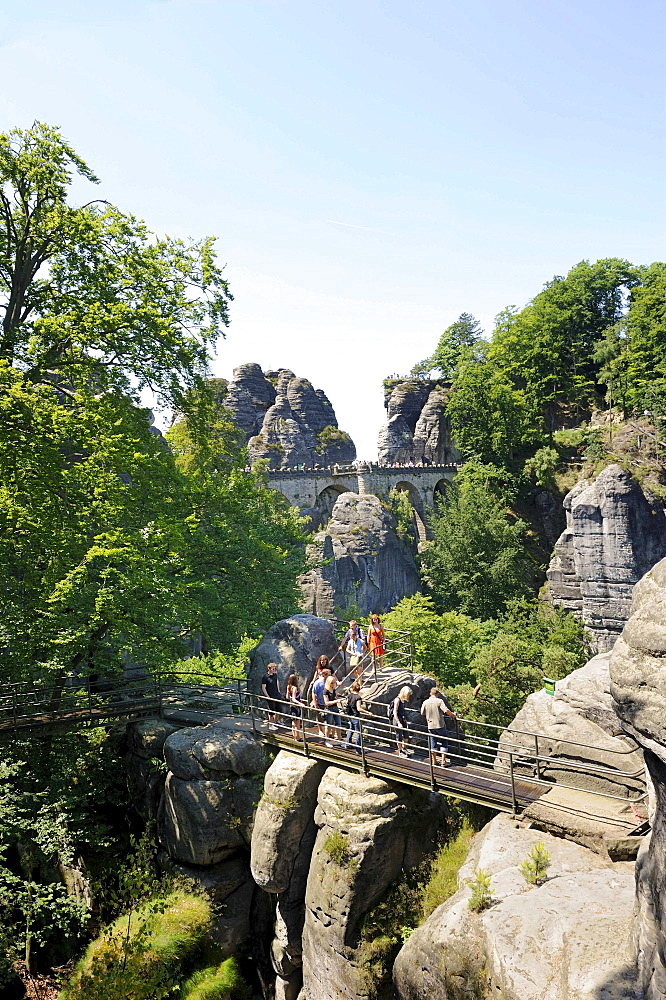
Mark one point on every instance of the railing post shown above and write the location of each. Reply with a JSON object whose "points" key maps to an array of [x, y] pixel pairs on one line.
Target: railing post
{"points": [[14, 704], [304, 720], [364, 762], [254, 726], [89, 700], [433, 780], [374, 664], [538, 762], [513, 785]]}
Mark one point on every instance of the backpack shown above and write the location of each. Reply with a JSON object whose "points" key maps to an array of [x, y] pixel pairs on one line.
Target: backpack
{"points": [[347, 704], [390, 709]]}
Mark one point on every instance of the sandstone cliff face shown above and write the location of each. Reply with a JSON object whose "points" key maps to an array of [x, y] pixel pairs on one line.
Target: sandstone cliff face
{"points": [[364, 561], [568, 939], [285, 419], [614, 535], [328, 871], [638, 686], [417, 429]]}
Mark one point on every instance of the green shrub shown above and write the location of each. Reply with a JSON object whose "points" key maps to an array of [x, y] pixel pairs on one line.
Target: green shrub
{"points": [[534, 868], [143, 958], [222, 982], [482, 894], [336, 846], [541, 467], [446, 864]]}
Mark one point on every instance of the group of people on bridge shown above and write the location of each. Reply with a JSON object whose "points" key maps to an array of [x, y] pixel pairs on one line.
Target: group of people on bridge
{"points": [[329, 705]]}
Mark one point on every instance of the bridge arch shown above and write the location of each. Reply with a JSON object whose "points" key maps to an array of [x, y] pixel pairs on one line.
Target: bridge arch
{"points": [[440, 491], [418, 509], [282, 495], [326, 500]]}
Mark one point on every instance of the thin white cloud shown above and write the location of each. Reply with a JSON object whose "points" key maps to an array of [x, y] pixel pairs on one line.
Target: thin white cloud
{"points": [[350, 225]]}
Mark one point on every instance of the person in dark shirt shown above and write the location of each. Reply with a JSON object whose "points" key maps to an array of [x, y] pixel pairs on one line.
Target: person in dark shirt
{"points": [[270, 687], [355, 710]]}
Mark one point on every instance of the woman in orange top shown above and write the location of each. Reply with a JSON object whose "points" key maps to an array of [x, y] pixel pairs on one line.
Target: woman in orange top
{"points": [[376, 640]]}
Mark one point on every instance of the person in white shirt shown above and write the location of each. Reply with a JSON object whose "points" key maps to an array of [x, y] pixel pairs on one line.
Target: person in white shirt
{"points": [[435, 711]]}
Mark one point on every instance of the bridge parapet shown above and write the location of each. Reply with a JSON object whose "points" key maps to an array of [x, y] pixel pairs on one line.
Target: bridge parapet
{"points": [[317, 487]]}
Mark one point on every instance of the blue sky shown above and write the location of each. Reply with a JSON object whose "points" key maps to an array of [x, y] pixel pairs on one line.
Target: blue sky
{"points": [[371, 169]]}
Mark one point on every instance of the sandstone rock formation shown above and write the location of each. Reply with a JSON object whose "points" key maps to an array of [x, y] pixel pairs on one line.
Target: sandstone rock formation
{"points": [[361, 559], [145, 776], [580, 712], [369, 831], [614, 535], [638, 686], [210, 794], [285, 810], [568, 939], [284, 418], [417, 429], [282, 841], [294, 644]]}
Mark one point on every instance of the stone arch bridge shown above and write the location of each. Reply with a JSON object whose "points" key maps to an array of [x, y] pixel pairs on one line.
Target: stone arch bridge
{"points": [[316, 490]]}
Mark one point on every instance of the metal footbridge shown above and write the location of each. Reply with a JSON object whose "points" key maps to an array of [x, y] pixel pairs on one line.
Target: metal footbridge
{"points": [[507, 770]]}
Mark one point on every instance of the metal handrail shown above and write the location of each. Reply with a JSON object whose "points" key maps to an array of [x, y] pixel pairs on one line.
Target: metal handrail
{"points": [[388, 733]]}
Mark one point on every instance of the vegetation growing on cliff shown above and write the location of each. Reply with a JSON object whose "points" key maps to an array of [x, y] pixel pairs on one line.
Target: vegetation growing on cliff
{"points": [[113, 547]]}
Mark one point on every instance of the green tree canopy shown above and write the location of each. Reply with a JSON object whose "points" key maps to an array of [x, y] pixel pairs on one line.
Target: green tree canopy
{"points": [[111, 546], [456, 344], [547, 348], [476, 562], [444, 644], [88, 296]]}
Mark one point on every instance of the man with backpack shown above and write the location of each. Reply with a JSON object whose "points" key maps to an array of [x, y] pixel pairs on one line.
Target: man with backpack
{"points": [[354, 708], [435, 711]]}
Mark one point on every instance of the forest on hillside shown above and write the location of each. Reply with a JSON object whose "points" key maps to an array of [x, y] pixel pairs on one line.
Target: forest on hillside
{"points": [[118, 547]]}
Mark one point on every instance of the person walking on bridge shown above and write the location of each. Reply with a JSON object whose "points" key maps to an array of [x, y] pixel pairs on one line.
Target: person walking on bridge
{"points": [[270, 687], [376, 646], [354, 646], [435, 711], [318, 700], [355, 709], [399, 718]]}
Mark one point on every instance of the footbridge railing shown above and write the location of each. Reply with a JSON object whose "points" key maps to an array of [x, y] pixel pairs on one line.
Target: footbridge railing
{"points": [[485, 765]]}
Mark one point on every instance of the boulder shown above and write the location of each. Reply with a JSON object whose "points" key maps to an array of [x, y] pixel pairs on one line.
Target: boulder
{"points": [[295, 644], [214, 750], [284, 812], [638, 687], [146, 737], [614, 535], [211, 792], [567, 939], [368, 831], [230, 753], [201, 822], [361, 559], [580, 712]]}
